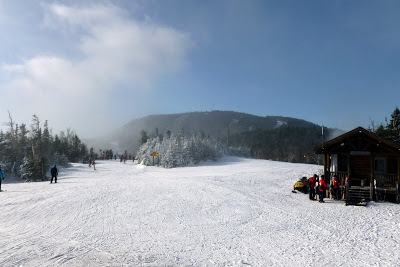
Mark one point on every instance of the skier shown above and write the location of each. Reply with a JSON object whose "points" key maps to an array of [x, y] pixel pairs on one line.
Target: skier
{"points": [[311, 186], [54, 173], [322, 188], [94, 164], [1, 177]]}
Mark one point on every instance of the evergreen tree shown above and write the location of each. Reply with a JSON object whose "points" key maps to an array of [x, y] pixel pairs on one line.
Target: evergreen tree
{"points": [[180, 150], [143, 137], [35, 163], [392, 128], [28, 154]]}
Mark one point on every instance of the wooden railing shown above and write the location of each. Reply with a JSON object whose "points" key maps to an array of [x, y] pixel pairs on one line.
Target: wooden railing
{"points": [[386, 180], [385, 183], [340, 175]]}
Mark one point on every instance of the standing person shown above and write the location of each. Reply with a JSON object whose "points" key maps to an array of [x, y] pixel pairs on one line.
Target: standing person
{"points": [[346, 184], [336, 188], [54, 173], [1, 177], [94, 164], [322, 188], [311, 186]]}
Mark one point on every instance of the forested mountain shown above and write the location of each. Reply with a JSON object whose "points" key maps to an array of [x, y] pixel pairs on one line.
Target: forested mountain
{"points": [[270, 137], [286, 143]]}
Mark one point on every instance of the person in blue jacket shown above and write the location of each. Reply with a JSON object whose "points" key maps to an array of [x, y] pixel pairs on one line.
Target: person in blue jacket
{"points": [[54, 173], [1, 177]]}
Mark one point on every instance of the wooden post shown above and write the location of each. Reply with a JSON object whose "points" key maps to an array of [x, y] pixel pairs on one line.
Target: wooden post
{"points": [[398, 177], [328, 168], [371, 183], [326, 165], [347, 199], [348, 169]]}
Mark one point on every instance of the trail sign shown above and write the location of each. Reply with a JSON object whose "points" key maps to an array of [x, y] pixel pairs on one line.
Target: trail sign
{"points": [[155, 154]]}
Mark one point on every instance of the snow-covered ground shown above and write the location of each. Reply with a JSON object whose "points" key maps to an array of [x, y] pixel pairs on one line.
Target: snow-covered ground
{"points": [[234, 212]]}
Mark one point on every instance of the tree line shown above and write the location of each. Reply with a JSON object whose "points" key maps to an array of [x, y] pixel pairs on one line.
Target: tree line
{"points": [[177, 150], [29, 151], [391, 128], [295, 144], [285, 143]]}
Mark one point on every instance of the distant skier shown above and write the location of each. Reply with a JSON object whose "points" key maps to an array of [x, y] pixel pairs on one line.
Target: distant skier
{"points": [[1, 177], [94, 164], [54, 173]]}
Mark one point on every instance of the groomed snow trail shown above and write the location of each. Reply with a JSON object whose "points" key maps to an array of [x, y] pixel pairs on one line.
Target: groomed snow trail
{"points": [[234, 212]]}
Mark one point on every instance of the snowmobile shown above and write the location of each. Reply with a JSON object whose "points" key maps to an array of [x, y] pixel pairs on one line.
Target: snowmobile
{"points": [[301, 185]]}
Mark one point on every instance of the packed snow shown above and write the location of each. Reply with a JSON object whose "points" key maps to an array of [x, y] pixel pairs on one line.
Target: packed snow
{"points": [[233, 212]]}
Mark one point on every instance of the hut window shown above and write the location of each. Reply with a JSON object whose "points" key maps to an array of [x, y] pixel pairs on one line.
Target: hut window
{"points": [[342, 164], [380, 165]]}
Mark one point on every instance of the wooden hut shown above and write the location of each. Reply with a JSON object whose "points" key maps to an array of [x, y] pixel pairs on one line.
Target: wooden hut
{"points": [[366, 163]]}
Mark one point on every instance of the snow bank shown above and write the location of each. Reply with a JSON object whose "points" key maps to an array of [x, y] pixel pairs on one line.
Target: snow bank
{"points": [[234, 212]]}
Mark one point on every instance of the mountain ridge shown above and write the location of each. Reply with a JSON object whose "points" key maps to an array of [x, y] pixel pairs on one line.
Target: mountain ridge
{"points": [[217, 124]]}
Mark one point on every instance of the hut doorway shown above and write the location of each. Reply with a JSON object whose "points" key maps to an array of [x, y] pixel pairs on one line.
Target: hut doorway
{"points": [[360, 170]]}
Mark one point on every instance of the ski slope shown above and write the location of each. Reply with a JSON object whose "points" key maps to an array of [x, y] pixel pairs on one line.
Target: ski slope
{"points": [[234, 212]]}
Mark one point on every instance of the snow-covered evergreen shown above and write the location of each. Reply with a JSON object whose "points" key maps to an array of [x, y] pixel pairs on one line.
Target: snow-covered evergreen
{"points": [[30, 153], [179, 150]]}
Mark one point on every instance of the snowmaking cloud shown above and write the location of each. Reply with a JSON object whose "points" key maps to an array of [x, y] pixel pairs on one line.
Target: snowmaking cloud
{"points": [[112, 51]]}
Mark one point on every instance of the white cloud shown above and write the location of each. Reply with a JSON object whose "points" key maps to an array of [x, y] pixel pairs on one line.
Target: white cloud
{"points": [[113, 51]]}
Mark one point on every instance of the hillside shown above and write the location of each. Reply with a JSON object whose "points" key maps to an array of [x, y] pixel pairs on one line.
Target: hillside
{"points": [[216, 124]]}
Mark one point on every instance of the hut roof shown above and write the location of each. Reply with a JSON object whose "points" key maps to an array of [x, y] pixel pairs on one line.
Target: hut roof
{"points": [[358, 139]]}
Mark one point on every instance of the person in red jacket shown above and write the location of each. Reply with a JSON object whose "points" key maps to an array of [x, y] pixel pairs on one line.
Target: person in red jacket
{"points": [[322, 188], [336, 187], [311, 186]]}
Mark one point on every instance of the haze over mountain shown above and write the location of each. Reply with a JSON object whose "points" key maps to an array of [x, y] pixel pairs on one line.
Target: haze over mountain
{"points": [[215, 124], [93, 65]]}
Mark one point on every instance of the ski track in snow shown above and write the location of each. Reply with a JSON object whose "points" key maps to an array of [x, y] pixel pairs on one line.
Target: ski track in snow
{"points": [[234, 212]]}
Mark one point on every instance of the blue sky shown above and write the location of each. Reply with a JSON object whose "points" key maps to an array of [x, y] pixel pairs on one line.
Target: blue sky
{"points": [[95, 65]]}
